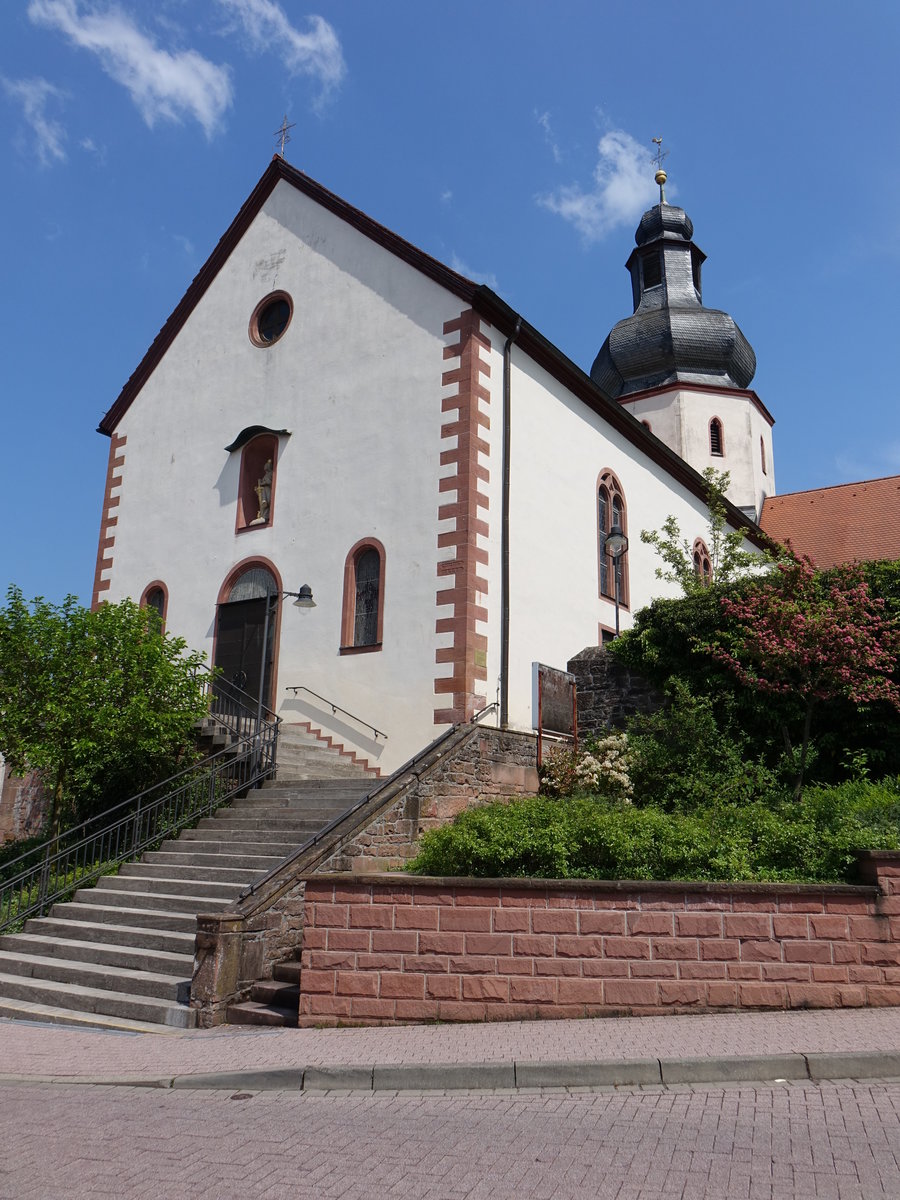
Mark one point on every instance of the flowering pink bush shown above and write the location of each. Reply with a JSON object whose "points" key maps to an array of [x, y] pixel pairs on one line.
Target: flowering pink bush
{"points": [[805, 638]]}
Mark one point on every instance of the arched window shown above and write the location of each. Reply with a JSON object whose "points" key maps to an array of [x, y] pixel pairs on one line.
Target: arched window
{"points": [[702, 562], [611, 511], [362, 619], [716, 438], [256, 490], [156, 596], [762, 455]]}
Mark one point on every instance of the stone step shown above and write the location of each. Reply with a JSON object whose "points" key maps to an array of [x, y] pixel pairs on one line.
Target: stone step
{"points": [[319, 787], [48, 1014], [233, 846], [172, 941], [142, 918], [99, 976], [166, 901], [159, 884], [96, 1000], [250, 1012], [222, 834], [129, 957], [277, 994], [252, 864], [232, 876], [287, 972]]}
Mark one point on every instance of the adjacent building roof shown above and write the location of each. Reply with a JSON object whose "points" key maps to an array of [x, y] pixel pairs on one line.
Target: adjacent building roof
{"points": [[852, 522]]}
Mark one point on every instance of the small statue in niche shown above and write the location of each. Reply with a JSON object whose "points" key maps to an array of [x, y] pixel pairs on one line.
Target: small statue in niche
{"points": [[263, 491]]}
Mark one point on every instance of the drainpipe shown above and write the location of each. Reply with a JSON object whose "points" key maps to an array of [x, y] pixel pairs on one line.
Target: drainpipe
{"points": [[504, 536]]}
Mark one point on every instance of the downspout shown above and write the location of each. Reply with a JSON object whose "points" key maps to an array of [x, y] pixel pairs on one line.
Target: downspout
{"points": [[504, 536]]}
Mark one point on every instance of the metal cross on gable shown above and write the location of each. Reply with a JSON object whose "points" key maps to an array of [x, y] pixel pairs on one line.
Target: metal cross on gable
{"points": [[283, 134]]}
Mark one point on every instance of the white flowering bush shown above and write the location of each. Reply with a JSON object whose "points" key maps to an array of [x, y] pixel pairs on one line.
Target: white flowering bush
{"points": [[603, 765]]}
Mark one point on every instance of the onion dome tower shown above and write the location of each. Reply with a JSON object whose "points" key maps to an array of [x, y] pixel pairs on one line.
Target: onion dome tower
{"points": [[684, 369]]}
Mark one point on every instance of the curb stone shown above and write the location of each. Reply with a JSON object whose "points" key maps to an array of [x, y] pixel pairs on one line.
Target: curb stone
{"points": [[512, 1074]]}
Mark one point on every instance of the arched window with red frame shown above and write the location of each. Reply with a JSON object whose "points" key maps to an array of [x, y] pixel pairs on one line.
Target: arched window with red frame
{"points": [[716, 438], [256, 489], [362, 616], [611, 511], [156, 596], [702, 562], [762, 455]]}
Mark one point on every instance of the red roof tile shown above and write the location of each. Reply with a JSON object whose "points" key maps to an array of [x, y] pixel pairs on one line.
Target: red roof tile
{"points": [[852, 522]]}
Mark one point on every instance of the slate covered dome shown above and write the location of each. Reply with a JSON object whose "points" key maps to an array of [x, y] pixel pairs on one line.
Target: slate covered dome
{"points": [[671, 336]]}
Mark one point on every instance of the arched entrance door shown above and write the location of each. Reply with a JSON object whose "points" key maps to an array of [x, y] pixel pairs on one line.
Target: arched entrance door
{"points": [[240, 627]]}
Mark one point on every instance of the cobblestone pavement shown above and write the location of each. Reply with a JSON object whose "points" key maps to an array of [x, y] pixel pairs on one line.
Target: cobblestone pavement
{"points": [[60, 1050], [788, 1142]]}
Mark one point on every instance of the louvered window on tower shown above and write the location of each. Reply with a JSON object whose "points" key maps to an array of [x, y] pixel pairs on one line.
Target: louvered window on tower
{"points": [[652, 270], [716, 441]]}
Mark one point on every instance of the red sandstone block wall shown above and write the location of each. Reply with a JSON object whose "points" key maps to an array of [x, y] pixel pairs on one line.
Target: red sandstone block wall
{"points": [[391, 949]]}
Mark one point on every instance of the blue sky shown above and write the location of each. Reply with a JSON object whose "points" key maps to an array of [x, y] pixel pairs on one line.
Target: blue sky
{"points": [[512, 140]]}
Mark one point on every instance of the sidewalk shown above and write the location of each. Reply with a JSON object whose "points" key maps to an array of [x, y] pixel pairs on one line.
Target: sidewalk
{"points": [[829, 1044]]}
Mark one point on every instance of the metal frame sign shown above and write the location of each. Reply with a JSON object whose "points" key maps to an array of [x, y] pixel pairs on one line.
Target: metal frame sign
{"points": [[554, 705]]}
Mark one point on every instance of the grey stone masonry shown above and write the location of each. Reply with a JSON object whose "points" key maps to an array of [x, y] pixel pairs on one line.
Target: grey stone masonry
{"points": [[609, 692]]}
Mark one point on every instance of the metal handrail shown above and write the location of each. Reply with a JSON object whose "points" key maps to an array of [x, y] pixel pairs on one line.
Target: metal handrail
{"points": [[406, 769], [99, 845], [336, 708]]}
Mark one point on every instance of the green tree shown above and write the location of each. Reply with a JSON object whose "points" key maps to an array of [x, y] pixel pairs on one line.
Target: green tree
{"points": [[728, 557], [101, 703]]}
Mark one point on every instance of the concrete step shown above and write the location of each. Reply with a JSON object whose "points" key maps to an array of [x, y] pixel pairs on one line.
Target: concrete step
{"points": [[224, 835], [97, 976], [49, 1014], [166, 901], [96, 1000], [232, 846], [171, 941], [128, 957], [233, 876], [319, 787], [159, 884], [187, 855], [142, 918]]}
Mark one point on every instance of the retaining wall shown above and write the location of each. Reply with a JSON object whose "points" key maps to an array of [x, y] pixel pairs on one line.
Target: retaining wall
{"points": [[389, 949]]}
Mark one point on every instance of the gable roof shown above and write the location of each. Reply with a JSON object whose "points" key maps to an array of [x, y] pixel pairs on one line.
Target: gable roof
{"points": [[481, 298], [851, 522]]}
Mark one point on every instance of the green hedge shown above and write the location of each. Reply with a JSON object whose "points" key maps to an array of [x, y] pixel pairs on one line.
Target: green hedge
{"points": [[593, 838]]}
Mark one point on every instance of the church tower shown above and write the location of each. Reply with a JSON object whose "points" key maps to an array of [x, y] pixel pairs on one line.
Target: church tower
{"points": [[683, 369]]}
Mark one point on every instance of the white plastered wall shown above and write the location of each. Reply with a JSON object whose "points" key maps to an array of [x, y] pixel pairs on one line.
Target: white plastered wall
{"points": [[356, 379], [680, 417], [559, 448]]}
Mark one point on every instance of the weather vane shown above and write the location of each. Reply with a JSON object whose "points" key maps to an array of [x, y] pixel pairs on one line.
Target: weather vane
{"points": [[283, 134], [660, 176]]}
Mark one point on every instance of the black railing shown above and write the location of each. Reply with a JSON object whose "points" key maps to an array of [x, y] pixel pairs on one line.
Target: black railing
{"points": [[336, 708], [52, 871]]}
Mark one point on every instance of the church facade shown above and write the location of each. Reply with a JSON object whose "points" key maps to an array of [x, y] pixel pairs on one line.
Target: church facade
{"points": [[329, 410]]}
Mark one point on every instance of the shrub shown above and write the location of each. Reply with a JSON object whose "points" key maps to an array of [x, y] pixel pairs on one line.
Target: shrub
{"points": [[588, 838]]}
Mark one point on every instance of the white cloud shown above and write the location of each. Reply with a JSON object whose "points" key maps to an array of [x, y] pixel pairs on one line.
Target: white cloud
{"points": [[462, 268], [163, 85], [543, 119], [316, 53], [623, 188], [185, 243], [446, 196], [34, 95]]}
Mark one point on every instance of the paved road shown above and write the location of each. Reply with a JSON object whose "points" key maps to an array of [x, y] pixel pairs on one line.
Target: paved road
{"points": [[797, 1141]]}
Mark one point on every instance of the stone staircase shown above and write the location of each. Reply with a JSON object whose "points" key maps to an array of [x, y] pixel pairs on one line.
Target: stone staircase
{"points": [[121, 954]]}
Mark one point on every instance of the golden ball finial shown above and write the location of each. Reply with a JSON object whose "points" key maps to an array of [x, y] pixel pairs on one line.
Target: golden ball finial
{"points": [[661, 177]]}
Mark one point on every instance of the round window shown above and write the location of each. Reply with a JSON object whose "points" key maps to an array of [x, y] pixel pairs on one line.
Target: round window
{"points": [[270, 319]]}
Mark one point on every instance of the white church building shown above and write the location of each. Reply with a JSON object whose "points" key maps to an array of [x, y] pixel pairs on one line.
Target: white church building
{"points": [[329, 409]]}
